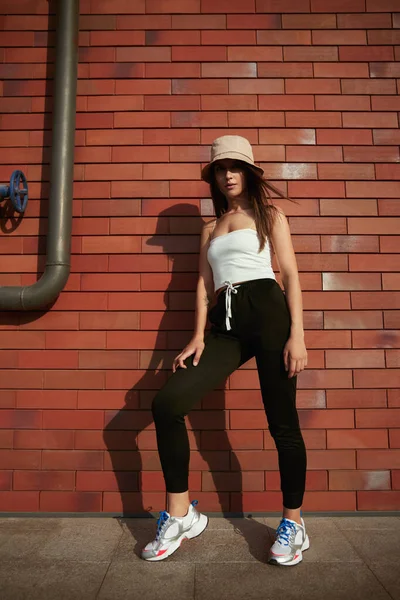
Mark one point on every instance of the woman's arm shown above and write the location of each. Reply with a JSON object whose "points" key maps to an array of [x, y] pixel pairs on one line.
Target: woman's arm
{"points": [[286, 259], [204, 295], [205, 284], [295, 352]]}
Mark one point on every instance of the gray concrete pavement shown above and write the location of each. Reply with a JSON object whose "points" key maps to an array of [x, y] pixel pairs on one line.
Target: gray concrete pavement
{"points": [[90, 558]]}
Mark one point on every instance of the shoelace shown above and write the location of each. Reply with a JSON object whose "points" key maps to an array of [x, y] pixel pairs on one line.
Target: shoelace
{"points": [[162, 519], [284, 531]]}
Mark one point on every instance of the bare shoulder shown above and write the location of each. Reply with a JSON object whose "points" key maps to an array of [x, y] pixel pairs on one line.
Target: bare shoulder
{"points": [[207, 229]]}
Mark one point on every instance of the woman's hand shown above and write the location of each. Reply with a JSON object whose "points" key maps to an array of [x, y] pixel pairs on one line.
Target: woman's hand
{"points": [[295, 355], [196, 346]]}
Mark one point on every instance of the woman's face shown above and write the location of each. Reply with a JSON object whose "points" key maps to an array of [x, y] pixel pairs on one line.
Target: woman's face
{"points": [[230, 177]]}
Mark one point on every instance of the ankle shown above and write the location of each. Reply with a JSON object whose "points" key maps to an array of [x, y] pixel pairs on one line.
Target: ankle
{"points": [[179, 511]]}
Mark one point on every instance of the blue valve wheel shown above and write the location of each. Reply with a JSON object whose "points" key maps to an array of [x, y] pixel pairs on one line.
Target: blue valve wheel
{"points": [[17, 195]]}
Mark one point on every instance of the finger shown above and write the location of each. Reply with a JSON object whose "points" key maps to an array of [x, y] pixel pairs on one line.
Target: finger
{"points": [[197, 357]]}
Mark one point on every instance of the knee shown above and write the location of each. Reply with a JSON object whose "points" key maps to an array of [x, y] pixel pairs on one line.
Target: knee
{"points": [[165, 407], [288, 438]]}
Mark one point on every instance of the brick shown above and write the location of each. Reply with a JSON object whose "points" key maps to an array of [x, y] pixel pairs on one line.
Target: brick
{"points": [[363, 86], [199, 119], [313, 119], [199, 86], [382, 500], [143, 22], [385, 103], [287, 136], [282, 6], [112, 244], [373, 190], [107, 137], [290, 171], [256, 86], [172, 103], [245, 69], [347, 172], [364, 21], [365, 53], [318, 419], [359, 480], [254, 53], [286, 102], [288, 69], [313, 153], [182, 136], [386, 137], [367, 438], [331, 459], [344, 137], [378, 459], [116, 70], [342, 70], [388, 171], [198, 53], [140, 154], [339, 37], [171, 71], [371, 154], [225, 6], [384, 37], [284, 38], [382, 6], [229, 102], [313, 86], [338, 6], [148, 54], [343, 103], [311, 53], [370, 119], [256, 119], [172, 6], [256, 21], [114, 320], [22, 339], [108, 281], [356, 398], [384, 69], [30, 359], [204, 21], [228, 38], [141, 120], [120, 7], [172, 38], [147, 86], [316, 189], [171, 171], [113, 172], [114, 38], [377, 418], [327, 21]]}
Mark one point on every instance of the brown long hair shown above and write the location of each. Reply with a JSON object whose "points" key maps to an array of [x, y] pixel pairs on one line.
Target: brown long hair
{"points": [[259, 193]]}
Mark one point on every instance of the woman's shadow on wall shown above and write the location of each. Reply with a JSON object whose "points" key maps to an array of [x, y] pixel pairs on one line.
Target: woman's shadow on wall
{"points": [[130, 434]]}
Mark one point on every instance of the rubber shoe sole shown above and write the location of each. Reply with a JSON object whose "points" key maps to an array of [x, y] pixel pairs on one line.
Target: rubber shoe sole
{"points": [[298, 557], [194, 532]]}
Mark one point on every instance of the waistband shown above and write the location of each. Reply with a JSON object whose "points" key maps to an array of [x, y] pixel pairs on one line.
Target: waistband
{"points": [[233, 289]]}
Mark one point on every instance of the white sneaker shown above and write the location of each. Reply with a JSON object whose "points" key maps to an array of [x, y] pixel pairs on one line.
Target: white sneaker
{"points": [[171, 531], [291, 540]]}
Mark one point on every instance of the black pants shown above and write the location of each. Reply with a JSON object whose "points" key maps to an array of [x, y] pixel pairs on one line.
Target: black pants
{"points": [[260, 327]]}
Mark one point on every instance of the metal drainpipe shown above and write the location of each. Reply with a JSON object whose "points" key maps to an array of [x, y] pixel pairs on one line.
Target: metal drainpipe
{"points": [[56, 272]]}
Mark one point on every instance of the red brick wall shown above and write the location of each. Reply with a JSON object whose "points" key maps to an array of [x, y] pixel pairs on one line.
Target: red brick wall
{"points": [[315, 92]]}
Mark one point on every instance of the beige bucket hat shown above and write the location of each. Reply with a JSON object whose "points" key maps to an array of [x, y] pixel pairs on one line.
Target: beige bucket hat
{"points": [[230, 146]]}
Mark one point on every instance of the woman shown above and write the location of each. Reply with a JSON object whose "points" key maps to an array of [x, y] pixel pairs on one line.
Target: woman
{"points": [[251, 318]]}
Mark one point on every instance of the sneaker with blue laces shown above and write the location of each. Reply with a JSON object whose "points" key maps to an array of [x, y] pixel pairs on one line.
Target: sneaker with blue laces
{"points": [[290, 541], [172, 531]]}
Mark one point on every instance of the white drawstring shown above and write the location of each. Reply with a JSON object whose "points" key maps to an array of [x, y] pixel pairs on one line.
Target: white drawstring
{"points": [[228, 301]]}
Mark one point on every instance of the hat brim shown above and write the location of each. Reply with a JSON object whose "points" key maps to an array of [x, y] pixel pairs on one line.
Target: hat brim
{"points": [[205, 172]]}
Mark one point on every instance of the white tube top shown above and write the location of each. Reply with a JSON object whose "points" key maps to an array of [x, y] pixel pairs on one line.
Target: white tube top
{"points": [[235, 257]]}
